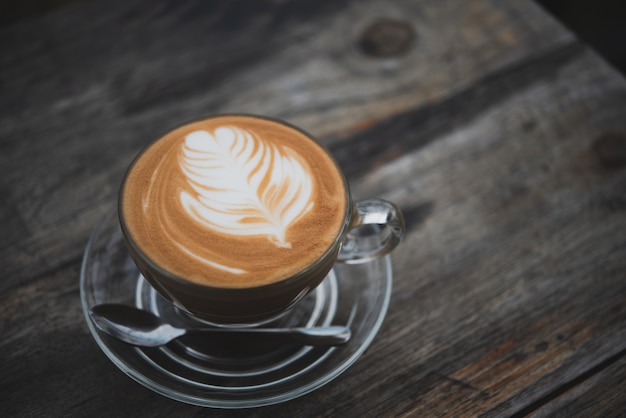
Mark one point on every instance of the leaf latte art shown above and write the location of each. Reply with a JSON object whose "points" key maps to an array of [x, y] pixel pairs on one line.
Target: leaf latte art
{"points": [[243, 185], [234, 201]]}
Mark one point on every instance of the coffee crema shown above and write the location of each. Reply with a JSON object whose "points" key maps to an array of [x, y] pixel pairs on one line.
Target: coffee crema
{"points": [[234, 201]]}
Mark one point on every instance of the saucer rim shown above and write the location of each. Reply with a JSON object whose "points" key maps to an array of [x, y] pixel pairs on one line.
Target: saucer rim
{"points": [[187, 398]]}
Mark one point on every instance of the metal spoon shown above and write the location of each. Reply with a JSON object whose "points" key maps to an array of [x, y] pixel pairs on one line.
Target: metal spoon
{"points": [[142, 328]]}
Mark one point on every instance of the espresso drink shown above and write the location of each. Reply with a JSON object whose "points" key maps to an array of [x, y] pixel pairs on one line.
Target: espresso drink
{"points": [[233, 202]]}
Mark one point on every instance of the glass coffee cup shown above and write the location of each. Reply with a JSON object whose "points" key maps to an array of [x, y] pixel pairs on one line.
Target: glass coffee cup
{"points": [[236, 218]]}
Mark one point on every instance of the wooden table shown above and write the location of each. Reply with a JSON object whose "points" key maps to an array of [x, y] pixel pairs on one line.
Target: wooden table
{"points": [[501, 136]]}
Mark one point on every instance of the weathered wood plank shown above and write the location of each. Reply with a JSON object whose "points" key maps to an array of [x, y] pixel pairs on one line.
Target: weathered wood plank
{"points": [[500, 136], [496, 319], [93, 83], [601, 394], [514, 278]]}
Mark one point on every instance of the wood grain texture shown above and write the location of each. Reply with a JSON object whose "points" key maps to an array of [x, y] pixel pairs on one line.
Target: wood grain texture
{"points": [[499, 134], [595, 394], [124, 75], [533, 265]]}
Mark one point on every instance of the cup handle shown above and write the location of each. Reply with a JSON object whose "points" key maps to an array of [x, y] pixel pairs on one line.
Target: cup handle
{"points": [[377, 228]]}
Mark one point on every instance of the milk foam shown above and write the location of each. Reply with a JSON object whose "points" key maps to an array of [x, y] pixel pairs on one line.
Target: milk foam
{"points": [[243, 185], [234, 201]]}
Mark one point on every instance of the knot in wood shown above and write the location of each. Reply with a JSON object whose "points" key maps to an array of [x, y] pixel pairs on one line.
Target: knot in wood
{"points": [[387, 38], [610, 148]]}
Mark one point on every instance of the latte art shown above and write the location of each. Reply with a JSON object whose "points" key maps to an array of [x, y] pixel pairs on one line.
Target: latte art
{"points": [[234, 201], [243, 185]]}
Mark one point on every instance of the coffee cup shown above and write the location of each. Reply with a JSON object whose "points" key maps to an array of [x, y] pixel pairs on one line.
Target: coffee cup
{"points": [[236, 218]]}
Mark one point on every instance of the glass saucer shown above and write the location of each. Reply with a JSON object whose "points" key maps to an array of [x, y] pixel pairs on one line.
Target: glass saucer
{"points": [[233, 374]]}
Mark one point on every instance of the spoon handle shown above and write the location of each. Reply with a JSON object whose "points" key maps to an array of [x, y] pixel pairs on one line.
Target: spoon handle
{"points": [[319, 336]]}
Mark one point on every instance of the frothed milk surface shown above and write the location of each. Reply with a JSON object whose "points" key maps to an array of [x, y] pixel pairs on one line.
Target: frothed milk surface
{"points": [[234, 201]]}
